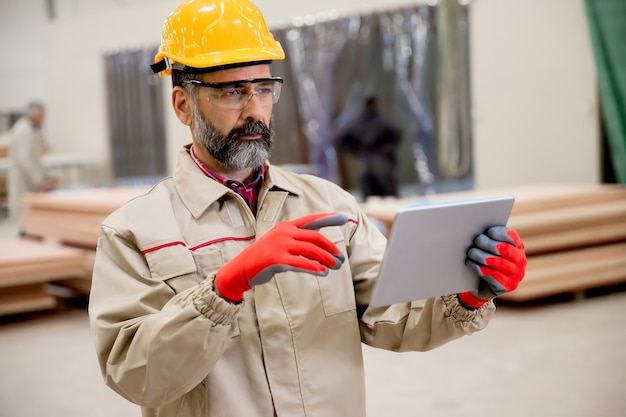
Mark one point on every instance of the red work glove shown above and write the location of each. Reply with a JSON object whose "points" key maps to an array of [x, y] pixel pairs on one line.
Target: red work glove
{"points": [[498, 257], [294, 245]]}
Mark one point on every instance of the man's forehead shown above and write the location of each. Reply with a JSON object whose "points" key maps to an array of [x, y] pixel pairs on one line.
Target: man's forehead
{"points": [[238, 73]]}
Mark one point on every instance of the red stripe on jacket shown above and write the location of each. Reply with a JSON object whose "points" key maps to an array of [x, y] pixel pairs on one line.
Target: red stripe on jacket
{"points": [[210, 242]]}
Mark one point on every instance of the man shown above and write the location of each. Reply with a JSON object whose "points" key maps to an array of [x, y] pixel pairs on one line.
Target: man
{"points": [[235, 288], [374, 140], [26, 171]]}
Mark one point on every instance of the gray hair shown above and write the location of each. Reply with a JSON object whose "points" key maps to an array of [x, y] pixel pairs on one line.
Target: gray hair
{"points": [[179, 76]]}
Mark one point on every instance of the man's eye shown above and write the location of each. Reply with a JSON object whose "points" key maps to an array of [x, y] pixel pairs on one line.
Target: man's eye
{"points": [[232, 93], [264, 91]]}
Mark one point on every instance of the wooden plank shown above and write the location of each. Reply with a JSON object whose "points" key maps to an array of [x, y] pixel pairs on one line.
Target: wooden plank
{"points": [[97, 200], [38, 273], [73, 216], [27, 304], [531, 198], [549, 218], [24, 261], [571, 228], [547, 221], [570, 271], [20, 251], [575, 237], [25, 299], [69, 227], [541, 197]]}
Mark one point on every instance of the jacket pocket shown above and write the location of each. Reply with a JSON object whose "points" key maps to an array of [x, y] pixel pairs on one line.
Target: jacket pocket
{"points": [[336, 289], [173, 265], [208, 261]]}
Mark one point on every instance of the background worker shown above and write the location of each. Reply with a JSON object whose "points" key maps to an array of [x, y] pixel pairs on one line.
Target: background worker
{"points": [[374, 140], [237, 288], [26, 148]]}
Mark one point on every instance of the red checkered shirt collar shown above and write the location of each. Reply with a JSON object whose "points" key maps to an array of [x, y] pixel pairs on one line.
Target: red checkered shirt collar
{"points": [[250, 192]]}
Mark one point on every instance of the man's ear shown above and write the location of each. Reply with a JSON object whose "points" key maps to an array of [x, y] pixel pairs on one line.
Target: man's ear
{"points": [[183, 105]]}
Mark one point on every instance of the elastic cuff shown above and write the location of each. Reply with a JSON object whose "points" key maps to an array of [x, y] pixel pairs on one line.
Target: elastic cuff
{"points": [[459, 312], [211, 305]]}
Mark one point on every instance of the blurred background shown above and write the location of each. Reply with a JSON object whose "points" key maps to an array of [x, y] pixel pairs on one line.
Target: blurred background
{"points": [[493, 92], [522, 97]]}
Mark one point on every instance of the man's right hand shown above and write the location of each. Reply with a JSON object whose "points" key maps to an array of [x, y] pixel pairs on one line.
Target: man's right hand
{"points": [[294, 245]]}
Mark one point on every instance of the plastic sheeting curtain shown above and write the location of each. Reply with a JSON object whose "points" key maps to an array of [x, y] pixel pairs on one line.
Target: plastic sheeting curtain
{"points": [[414, 59], [136, 123], [607, 24]]}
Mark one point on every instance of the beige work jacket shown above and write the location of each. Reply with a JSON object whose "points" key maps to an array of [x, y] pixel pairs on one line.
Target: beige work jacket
{"points": [[168, 343]]}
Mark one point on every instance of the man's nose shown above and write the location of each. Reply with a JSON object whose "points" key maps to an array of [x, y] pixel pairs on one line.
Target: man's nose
{"points": [[253, 108]]}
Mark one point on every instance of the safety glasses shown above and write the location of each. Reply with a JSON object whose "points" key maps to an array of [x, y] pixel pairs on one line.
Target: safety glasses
{"points": [[236, 95]]}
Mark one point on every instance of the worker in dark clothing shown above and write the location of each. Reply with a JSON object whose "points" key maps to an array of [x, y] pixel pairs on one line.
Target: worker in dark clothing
{"points": [[374, 139]]}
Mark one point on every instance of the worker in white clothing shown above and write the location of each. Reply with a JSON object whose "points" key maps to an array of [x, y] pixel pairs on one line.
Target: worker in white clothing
{"points": [[26, 170]]}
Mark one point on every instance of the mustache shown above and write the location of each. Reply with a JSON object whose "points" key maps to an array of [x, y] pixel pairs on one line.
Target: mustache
{"points": [[249, 128]]}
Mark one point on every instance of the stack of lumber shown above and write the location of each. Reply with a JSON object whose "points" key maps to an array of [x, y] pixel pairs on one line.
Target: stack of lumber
{"points": [[26, 266], [55, 259], [73, 217], [575, 236]]}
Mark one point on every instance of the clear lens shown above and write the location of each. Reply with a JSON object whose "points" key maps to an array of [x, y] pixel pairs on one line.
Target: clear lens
{"points": [[237, 96]]}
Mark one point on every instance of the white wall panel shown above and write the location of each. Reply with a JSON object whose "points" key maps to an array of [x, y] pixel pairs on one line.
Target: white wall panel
{"points": [[534, 93], [24, 55]]}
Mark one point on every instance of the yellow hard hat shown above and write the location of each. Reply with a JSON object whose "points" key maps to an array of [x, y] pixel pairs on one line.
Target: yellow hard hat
{"points": [[203, 34]]}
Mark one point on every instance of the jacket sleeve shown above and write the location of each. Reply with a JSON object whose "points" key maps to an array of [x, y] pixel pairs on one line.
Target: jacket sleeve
{"points": [[417, 326], [158, 327]]}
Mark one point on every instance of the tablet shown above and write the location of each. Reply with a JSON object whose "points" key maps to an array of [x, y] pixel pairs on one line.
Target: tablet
{"points": [[426, 251]]}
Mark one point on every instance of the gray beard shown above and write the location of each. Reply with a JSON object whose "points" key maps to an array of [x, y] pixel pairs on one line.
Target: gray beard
{"points": [[229, 150]]}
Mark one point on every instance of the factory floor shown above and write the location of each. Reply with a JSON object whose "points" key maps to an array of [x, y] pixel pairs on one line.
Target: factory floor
{"points": [[561, 357]]}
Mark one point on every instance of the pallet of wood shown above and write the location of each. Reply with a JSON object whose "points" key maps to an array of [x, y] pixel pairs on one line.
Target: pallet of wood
{"points": [[27, 266], [73, 217], [69, 219], [561, 225], [575, 235]]}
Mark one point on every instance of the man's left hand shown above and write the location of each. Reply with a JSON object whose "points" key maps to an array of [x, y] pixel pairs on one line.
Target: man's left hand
{"points": [[498, 258]]}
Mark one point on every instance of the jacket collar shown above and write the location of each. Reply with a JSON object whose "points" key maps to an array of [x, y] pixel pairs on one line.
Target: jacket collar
{"points": [[198, 192]]}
